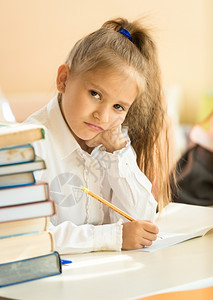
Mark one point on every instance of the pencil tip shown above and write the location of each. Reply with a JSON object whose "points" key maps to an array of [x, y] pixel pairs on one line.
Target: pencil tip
{"points": [[84, 189]]}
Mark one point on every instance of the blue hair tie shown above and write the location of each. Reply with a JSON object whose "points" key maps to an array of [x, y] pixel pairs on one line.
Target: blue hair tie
{"points": [[126, 33]]}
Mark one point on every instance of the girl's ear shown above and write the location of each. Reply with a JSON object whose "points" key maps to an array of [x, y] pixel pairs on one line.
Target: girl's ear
{"points": [[62, 77]]}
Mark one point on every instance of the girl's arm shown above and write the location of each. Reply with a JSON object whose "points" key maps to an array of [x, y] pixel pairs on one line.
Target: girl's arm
{"points": [[70, 238], [131, 192], [130, 188]]}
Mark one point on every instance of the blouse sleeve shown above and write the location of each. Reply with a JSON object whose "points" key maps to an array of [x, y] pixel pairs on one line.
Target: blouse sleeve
{"points": [[131, 189], [70, 238]]}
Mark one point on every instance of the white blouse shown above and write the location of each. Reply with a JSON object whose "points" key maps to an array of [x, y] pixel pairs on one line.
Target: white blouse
{"points": [[81, 223]]}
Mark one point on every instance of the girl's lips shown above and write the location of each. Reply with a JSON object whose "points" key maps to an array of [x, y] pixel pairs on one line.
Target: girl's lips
{"points": [[94, 127]]}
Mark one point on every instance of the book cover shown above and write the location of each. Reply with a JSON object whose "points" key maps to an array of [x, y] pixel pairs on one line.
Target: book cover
{"points": [[14, 180], [25, 246], [16, 154], [12, 134], [13, 228], [37, 164], [24, 194], [27, 211], [30, 269]]}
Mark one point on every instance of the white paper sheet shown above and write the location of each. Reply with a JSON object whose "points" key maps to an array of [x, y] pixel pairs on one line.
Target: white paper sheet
{"points": [[180, 222]]}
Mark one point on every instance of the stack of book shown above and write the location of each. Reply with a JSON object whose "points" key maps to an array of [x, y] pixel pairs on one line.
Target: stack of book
{"points": [[26, 246]]}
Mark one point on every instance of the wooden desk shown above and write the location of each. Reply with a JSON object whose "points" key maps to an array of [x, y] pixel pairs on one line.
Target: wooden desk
{"points": [[126, 274]]}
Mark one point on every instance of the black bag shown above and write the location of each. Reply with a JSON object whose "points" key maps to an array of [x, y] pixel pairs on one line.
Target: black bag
{"points": [[194, 176]]}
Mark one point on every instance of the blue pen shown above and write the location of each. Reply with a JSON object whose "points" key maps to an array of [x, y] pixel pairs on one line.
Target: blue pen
{"points": [[65, 261]]}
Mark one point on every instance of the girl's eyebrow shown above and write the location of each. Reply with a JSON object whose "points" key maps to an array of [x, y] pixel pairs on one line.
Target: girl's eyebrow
{"points": [[124, 104], [95, 86]]}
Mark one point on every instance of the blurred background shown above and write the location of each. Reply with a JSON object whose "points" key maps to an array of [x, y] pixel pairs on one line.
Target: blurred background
{"points": [[36, 37]]}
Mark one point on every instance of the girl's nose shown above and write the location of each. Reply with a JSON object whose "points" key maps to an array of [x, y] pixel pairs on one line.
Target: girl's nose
{"points": [[102, 114]]}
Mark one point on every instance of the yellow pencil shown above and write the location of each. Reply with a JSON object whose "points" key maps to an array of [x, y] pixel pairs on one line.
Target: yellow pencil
{"points": [[115, 208]]}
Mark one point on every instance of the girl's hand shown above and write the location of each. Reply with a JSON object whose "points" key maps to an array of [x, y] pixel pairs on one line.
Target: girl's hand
{"points": [[112, 139], [137, 234]]}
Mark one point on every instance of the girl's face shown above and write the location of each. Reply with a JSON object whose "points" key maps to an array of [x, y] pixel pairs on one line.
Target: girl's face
{"points": [[95, 101]]}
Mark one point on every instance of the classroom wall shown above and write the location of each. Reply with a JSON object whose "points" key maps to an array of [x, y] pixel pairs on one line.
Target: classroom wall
{"points": [[37, 35]]}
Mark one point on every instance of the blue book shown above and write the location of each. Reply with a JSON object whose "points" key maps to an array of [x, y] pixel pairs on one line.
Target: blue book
{"points": [[15, 180], [24, 194], [30, 269], [20, 174], [31, 166]]}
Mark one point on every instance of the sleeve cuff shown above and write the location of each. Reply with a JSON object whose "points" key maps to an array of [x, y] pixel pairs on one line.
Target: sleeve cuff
{"points": [[118, 162], [108, 237], [122, 164]]}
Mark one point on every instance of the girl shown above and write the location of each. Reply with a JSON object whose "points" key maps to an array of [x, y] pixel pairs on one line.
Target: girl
{"points": [[106, 130]]}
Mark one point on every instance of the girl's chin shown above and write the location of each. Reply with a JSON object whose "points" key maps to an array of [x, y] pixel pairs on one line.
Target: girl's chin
{"points": [[82, 141], [84, 137]]}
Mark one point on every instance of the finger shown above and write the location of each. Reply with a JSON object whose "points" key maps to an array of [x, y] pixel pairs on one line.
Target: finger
{"points": [[116, 123], [149, 236], [117, 136], [146, 243], [150, 227], [94, 142], [140, 246], [116, 127]]}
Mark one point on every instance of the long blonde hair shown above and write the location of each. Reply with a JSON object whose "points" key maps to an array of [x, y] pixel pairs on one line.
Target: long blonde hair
{"points": [[147, 117]]}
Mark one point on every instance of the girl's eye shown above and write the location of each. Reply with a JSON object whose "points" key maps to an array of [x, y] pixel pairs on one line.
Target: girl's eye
{"points": [[118, 107], [95, 95]]}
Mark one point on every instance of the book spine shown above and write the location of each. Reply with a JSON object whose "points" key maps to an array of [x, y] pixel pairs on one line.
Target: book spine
{"points": [[30, 269]]}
